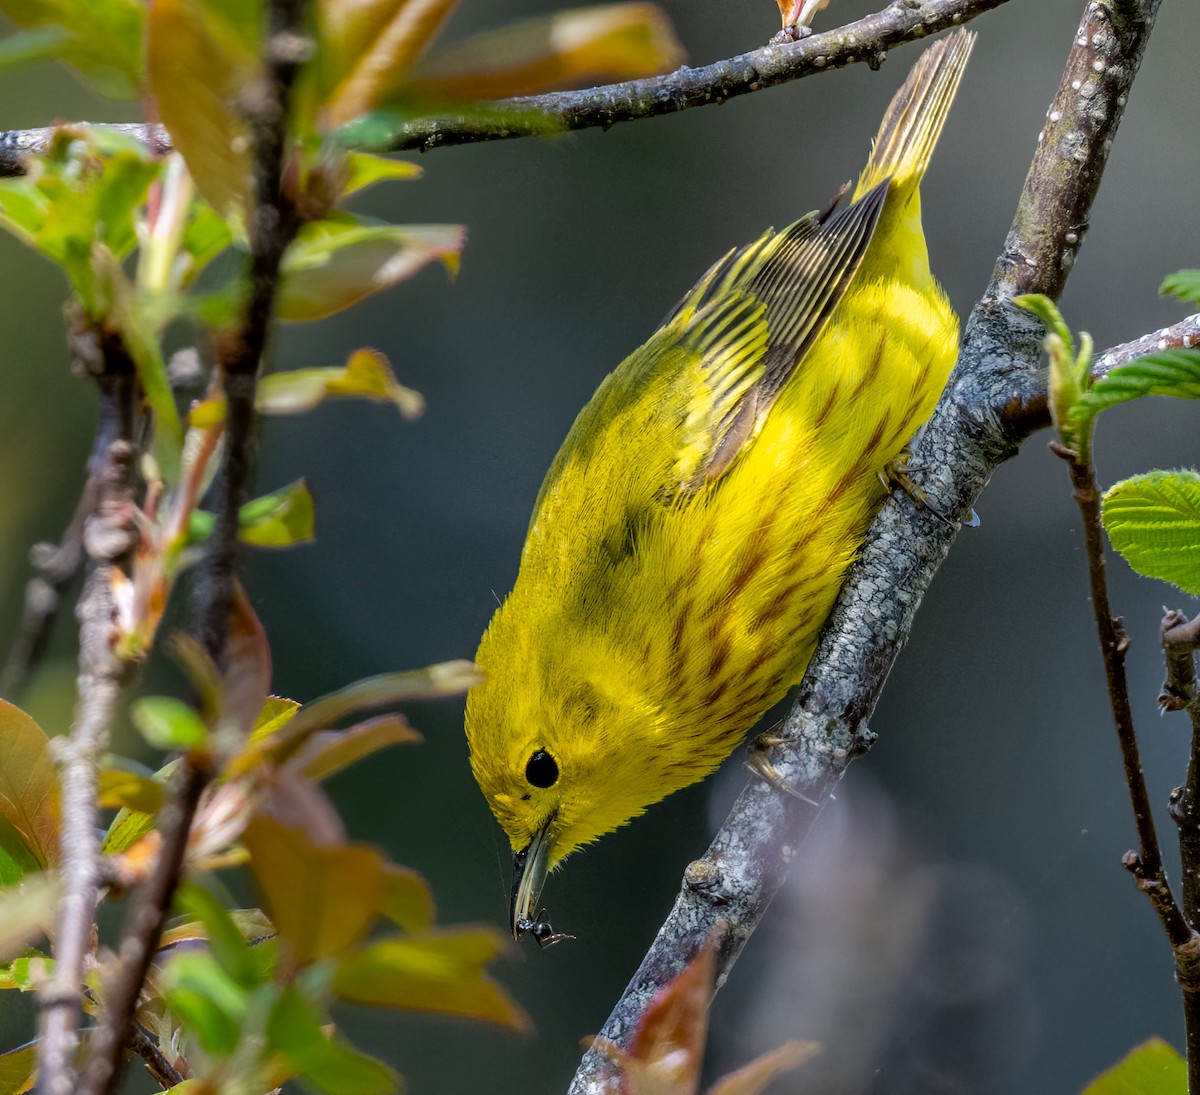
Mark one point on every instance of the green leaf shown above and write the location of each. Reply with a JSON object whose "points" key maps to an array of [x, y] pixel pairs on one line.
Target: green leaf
{"points": [[28, 786], [295, 1029], [366, 375], [1168, 372], [280, 519], [441, 971], [168, 723], [225, 937], [16, 857], [407, 899], [1185, 284], [1153, 1068], [26, 973], [129, 826], [210, 1004], [251, 923], [122, 789], [1153, 520], [16, 1069], [322, 900], [26, 911], [365, 169], [100, 38], [339, 261], [32, 45], [329, 751]]}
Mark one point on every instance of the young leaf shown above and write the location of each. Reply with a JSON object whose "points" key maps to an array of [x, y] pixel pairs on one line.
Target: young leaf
{"points": [[1185, 284], [1153, 1068], [296, 1029], [329, 751], [168, 723], [337, 262], [440, 971], [1168, 372], [130, 825], [280, 519], [443, 679], [576, 47], [28, 787], [225, 938], [322, 900], [1153, 520], [366, 375], [16, 857], [198, 65], [364, 169]]}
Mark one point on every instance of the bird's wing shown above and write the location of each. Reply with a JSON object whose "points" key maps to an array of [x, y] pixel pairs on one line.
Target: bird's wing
{"points": [[751, 320]]}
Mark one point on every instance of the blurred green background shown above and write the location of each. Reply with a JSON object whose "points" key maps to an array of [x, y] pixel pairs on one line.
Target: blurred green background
{"points": [[961, 921]]}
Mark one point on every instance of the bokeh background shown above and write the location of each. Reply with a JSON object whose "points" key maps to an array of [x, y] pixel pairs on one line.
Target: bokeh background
{"points": [[960, 922]]}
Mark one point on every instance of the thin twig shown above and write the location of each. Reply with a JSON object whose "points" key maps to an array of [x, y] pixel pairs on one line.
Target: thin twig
{"points": [[1025, 418], [108, 538], [863, 42], [55, 566], [165, 1074], [726, 892], [273, 225]]}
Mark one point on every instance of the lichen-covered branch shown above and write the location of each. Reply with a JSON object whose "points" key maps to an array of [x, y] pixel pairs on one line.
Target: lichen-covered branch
{"points": [[726, 892], [108, 537]]}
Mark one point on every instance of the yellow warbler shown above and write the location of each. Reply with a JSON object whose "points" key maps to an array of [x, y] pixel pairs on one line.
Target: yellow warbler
{"points": [[694, 529]]}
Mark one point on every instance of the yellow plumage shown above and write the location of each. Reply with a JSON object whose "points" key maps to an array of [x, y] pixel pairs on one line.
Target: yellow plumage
{"points": [[694, 529]]}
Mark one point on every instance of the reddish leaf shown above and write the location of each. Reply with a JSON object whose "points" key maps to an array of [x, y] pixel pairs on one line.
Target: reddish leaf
{"points": [[330, 751], [576, 47], [369, 46], [439, 971], [28, 787], [668, 1046], [247, 681], [322, 900], [300, 804], [337, 262], [754, 1077]]}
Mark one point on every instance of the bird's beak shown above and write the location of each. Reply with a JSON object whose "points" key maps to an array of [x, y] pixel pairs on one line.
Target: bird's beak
{"points": [[529, 876]]}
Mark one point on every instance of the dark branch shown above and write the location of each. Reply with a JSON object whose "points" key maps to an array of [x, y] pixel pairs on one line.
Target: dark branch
{"points": [[726, 892], [865, 41]]}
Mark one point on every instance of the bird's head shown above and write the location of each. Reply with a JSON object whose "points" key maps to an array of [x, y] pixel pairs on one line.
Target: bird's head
{"points": [[559, 751]]}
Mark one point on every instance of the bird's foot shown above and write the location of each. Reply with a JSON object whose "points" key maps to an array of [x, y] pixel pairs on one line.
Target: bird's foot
{"points": [[758, 765], [898, 475]]}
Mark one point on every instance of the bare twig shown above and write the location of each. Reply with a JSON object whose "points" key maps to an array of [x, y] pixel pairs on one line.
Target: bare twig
{"points": [[55, 567], [165, 1074], [108, 537], [273, 224], [865, 41], [726, 892]]}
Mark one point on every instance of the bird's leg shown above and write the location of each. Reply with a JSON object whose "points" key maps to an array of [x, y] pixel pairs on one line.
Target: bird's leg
{"points": [[758, 765], [897, 475]]}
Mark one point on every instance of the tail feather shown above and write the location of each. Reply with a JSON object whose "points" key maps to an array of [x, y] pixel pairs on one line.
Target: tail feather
{"points": [[914, 118]]}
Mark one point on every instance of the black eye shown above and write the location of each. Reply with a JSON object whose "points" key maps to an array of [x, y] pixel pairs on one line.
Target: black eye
{"points": [[541, 771]]}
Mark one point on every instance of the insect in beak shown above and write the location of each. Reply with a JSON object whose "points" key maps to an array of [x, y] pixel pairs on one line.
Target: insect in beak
{"points": [[529, 876]]}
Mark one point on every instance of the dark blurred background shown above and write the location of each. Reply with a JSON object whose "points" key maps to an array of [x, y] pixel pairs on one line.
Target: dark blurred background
{"points": [[961, 921]]}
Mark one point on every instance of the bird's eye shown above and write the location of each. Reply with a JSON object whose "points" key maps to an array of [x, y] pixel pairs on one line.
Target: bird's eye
{"points": [[542, 770]]}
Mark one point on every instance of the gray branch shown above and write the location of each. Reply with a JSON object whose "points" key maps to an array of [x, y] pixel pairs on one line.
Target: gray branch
{"points": [[863, 42], [981, 421]]}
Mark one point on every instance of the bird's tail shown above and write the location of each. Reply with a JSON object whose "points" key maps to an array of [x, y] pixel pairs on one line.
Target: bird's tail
{"points": [[914, 119]]}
